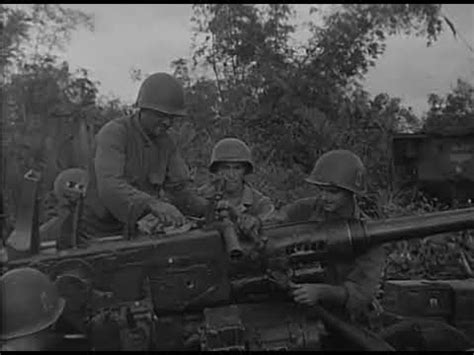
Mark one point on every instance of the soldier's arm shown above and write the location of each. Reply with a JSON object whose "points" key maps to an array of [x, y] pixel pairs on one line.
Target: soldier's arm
{"points": [[355, 293], [264, 208], [114, 191], [298, 211], [206, 191], [178, 189], [361, 283]]}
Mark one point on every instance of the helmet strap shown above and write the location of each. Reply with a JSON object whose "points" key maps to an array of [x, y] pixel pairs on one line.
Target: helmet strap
{"points": [[356, 208]]}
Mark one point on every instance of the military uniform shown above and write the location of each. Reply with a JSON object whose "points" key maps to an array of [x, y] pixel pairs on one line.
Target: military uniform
{"points": [[359, 275], [250, 202], [130, 169]]}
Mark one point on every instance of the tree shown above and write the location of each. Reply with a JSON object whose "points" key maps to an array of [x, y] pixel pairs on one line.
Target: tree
{"points": [[50, 113], [455, 111], [290, 106], [34, 32]]}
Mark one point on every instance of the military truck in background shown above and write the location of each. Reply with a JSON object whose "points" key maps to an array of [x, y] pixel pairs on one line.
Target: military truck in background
{"points": [[440, 163]]}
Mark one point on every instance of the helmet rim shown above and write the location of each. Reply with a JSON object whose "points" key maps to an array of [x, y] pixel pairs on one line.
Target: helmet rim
{"points": [[43, 320]]}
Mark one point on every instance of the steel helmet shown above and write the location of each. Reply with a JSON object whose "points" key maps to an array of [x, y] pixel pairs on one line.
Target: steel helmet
{"points": [[30, 303], [162, 92], [70, 180], [231, 150], [340, 168]]}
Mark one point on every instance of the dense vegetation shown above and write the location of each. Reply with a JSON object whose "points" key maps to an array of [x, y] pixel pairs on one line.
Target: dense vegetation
{"points": [[290, 103]]}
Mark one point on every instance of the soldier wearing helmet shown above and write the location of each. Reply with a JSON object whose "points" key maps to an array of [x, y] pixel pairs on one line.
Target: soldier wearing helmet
{"points": [[135, 161], [69, 188], [30, 308], [69, 185], [231, 161], [350, 284]]}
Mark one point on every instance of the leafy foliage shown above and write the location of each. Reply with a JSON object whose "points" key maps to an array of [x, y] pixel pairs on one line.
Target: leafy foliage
{"points": [[32, 33], [447, 255], [292, 106], [453, 112], [45, 104]]}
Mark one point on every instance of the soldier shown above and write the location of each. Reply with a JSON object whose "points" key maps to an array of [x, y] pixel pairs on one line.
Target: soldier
{"points": [[30, 308], [351, 284], [231, 161], [135, 159]]}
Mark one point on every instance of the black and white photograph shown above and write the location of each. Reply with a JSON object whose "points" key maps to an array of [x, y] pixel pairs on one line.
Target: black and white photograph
{"points": [[237, 177]]}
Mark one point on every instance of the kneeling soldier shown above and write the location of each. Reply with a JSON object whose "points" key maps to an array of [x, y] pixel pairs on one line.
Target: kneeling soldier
{"points": [[231, 161], [350, 284]]}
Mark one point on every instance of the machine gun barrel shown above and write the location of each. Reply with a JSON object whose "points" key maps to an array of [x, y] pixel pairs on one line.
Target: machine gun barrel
{"points": [[419, 226], [315, 241], [231, 240]]}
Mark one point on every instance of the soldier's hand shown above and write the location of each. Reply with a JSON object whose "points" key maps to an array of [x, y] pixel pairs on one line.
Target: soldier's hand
{"points": [[167, 213], [224, 208], [222, 205], [248, 224], [70, 195], [148, 224], [311, 294]]}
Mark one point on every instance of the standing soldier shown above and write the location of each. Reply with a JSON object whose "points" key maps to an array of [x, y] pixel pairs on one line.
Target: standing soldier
{"points": [[351, 283], [135, 158], [30, 307], [231, 161]]}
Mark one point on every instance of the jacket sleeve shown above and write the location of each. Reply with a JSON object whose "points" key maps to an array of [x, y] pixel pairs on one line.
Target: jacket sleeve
{"points": [[187, 200], [206, 191], [362, 281], [298, 211], [177, 187], [114, 190], [264, 208]]}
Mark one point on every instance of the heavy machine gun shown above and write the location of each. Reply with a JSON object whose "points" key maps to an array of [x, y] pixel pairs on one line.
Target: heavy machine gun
{"points": [[205, 289]]}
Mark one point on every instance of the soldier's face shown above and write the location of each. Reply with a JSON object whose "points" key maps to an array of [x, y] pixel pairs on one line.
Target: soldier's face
{"points": [[334, 198], [233, 174], [155, 123]]}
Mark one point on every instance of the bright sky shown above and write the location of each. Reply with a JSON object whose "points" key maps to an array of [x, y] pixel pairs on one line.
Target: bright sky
{"points": [[150, 36]]}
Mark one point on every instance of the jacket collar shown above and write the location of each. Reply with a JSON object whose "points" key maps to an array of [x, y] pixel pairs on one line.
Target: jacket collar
{"points": [[136, 123]]}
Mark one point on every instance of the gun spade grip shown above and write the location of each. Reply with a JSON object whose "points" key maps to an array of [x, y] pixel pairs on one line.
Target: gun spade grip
{"points": [[231, 241]]}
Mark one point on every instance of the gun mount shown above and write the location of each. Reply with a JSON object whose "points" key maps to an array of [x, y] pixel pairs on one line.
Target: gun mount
{"points": [[186, 292]]}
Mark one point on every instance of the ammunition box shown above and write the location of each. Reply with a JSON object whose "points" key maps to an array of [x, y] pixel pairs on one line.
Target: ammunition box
{"points": [[418, 298], [463, 305]]}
